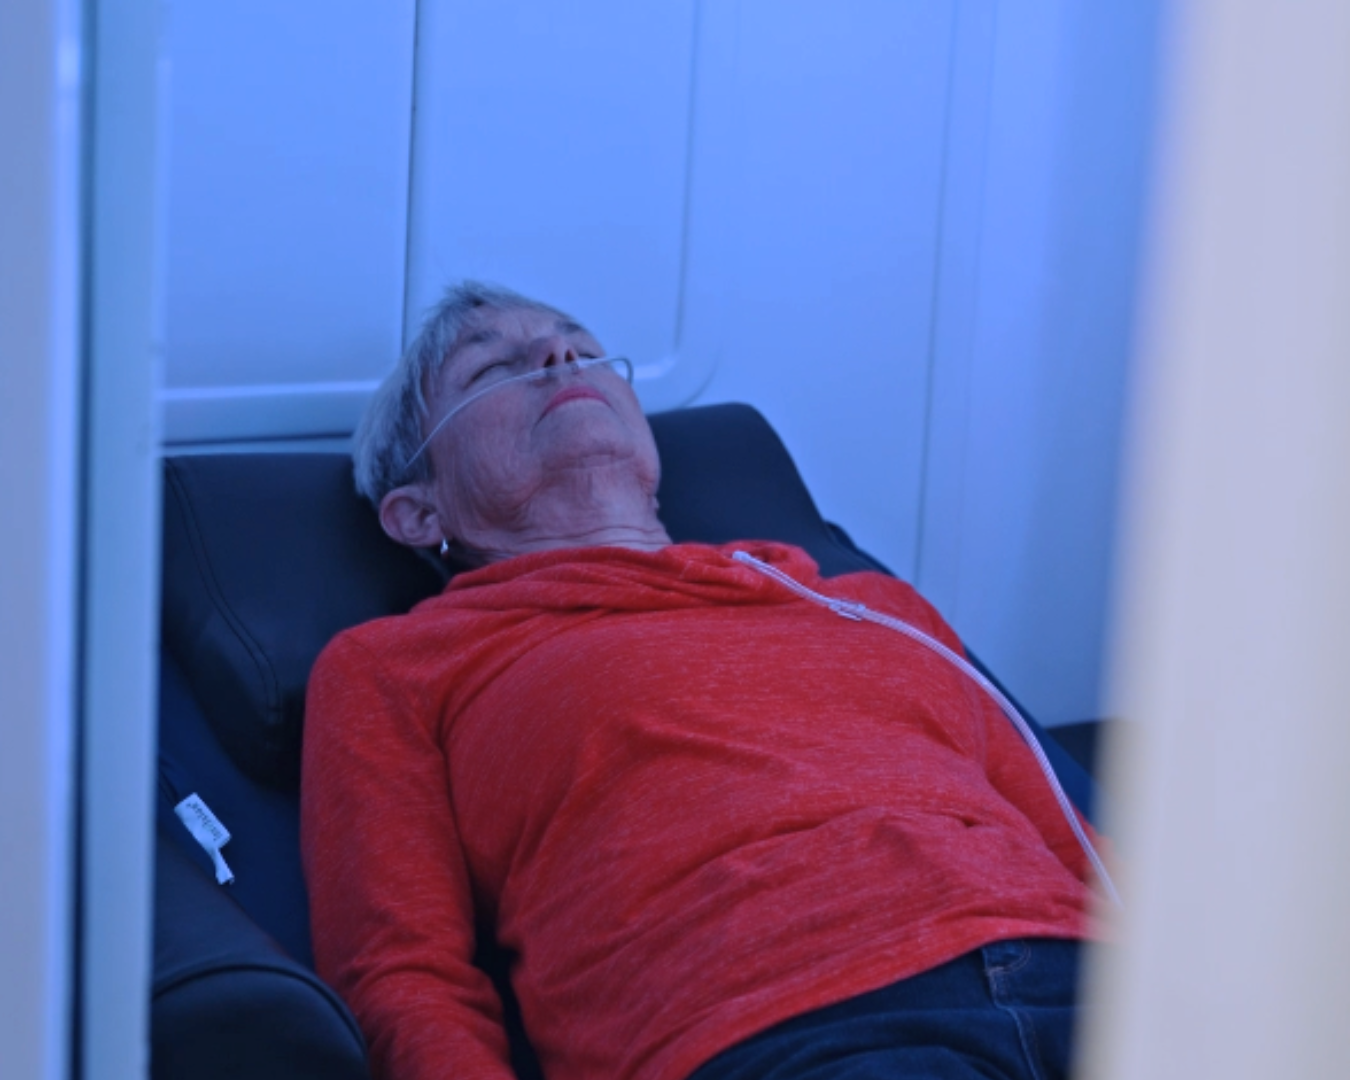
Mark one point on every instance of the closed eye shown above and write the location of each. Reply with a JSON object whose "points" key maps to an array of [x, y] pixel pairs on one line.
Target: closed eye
{"points": [[509, 364], [493, 366]]}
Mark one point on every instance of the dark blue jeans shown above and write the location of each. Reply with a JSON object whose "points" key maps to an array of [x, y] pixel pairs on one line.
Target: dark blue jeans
{"points": [[1005, 1012]]}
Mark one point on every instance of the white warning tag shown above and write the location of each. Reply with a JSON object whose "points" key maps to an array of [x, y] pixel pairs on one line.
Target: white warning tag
{"points": [[207, 830]]}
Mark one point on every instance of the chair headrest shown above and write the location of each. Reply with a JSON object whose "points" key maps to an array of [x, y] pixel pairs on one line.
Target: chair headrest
{"points": [[267, 556]]}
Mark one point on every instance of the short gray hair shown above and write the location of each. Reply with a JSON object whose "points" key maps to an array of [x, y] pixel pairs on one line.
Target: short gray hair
{"points": [[391, 429]]}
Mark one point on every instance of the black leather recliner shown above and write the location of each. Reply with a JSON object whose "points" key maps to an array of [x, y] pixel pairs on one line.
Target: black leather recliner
{"points": [[266, 557]]}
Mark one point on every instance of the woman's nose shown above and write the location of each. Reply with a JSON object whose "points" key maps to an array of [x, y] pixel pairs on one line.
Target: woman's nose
{"points": [[552, 351]]}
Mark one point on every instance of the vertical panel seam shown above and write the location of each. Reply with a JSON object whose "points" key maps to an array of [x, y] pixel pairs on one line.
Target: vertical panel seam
{"points": [[925, 451], [960, 367], [78, 958], [682, 286], [405, 315]]}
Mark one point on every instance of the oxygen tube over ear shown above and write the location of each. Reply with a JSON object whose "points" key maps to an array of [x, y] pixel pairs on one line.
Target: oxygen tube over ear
{"points": [[861, 613]]}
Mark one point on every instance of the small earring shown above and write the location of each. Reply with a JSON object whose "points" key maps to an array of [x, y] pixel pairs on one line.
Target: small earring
{"points": [[445, 547]]}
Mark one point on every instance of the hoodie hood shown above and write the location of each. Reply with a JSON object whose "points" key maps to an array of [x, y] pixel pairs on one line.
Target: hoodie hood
{"points": [[623, 579]]}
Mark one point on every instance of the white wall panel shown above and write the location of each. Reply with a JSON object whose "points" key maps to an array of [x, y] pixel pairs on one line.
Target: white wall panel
{"points": [[120, 573], [41, 115], [1034, 341], [904, 229], [553, 155], [837, 195], [288, 178]]}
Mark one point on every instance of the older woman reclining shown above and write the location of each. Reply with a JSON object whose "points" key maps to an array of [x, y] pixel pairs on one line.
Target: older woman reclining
{"points": [[724, 832]]}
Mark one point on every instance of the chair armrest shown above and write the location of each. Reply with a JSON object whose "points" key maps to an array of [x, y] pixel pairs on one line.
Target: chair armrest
{"points": [[226, 1001], [1083, 742]]}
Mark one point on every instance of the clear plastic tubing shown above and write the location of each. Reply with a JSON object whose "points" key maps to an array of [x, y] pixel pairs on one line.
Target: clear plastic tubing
{"points": [[860, 612]]}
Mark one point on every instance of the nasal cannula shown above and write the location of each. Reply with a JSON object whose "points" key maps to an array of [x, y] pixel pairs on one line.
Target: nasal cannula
{"points": [[860, 612]]}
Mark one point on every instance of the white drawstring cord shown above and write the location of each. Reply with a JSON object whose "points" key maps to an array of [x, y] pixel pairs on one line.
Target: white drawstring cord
{"points": [[858, 612]]}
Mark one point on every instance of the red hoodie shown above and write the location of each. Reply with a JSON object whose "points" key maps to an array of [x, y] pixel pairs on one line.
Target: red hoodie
{"points": [[693, 803]]}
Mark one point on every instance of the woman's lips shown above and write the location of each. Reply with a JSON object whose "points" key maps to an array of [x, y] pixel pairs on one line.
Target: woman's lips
{"points": [[572, 393]]}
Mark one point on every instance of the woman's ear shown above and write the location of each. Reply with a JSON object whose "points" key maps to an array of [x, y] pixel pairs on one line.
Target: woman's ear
{"points": [[409, 516]]}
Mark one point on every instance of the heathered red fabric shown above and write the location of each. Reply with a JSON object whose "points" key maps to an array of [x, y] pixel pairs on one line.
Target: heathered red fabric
{"points": [[692, 802]]}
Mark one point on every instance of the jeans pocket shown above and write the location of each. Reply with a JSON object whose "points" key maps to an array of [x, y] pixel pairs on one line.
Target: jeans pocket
{"points": [[1035, 983], [1004, 959]]}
